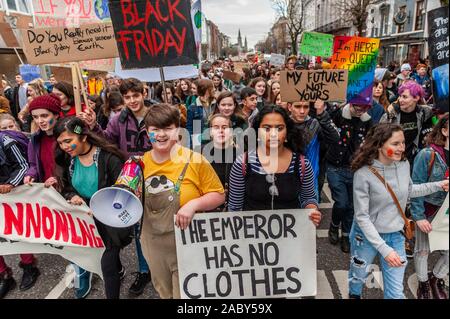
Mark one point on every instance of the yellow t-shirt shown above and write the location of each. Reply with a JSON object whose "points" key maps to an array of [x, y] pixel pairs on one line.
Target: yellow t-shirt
{"points": [[200, 177]]}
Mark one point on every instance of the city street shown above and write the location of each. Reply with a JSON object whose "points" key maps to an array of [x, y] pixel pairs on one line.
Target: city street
{"points": [[331, 274]]}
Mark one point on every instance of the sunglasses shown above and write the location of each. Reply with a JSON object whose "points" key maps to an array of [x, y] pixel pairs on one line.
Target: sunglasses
{"points": [[273, 189], [156, 182]]}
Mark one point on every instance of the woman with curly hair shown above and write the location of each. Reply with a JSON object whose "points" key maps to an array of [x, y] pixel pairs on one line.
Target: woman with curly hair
{"points": [[381, 188]]}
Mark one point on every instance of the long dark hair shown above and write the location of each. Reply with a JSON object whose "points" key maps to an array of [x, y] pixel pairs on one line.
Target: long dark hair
{"points": [[70, 124], [67, 89], [295, 141], [375, 139], [436, 137]]}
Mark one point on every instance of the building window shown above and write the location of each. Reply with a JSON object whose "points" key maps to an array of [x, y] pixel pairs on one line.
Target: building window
{"points": [[19, 6], [384, 25], [401, 27], [420, 15]]}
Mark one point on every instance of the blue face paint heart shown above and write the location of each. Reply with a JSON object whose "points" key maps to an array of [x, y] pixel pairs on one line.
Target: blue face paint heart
{"points": [[152, 137], [51, 122], [73, 146]]}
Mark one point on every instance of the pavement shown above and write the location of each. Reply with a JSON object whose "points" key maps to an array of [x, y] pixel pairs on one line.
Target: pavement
{"points": [[56, 272]]}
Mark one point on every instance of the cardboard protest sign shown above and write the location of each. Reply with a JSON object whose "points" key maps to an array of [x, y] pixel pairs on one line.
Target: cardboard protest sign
{"points": [[232, 76], [439, 55], [359, 57], [35, 219], [153, 33], [277, 59], [317, 44], [265, 254], [69, 13], [310, 85], [439, 237], [57, 45]]}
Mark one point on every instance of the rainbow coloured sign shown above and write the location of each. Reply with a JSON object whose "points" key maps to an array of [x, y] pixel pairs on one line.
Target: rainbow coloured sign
{"points": [[359, 57]]}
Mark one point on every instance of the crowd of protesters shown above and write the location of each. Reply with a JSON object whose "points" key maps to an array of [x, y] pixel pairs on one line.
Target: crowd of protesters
{"points": [[243, 148]]}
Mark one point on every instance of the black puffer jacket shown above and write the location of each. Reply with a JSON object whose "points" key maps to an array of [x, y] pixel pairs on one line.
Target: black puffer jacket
{"points": [[352, 132], [109, 167]]}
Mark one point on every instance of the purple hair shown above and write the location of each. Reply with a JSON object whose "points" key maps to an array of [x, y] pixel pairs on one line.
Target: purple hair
{"points": [[415, 89]]}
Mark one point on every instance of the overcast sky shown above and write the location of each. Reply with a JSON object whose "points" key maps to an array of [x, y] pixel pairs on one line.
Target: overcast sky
{"points": [[253, 17]]}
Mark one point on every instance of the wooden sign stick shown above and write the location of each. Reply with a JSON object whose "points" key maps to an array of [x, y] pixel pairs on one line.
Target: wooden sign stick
{"points": [[76, 89], [82, 86]]}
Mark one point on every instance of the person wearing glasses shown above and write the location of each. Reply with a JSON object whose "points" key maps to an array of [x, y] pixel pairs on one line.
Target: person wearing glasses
{"points": [[274, 175]]}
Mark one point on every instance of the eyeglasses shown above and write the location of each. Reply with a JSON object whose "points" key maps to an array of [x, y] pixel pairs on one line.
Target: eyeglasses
{"points": [[273, 189]]}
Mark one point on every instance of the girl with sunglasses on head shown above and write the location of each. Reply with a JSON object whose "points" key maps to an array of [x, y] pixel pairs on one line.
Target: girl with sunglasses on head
{"points": [[275, 175], [87, 164]]}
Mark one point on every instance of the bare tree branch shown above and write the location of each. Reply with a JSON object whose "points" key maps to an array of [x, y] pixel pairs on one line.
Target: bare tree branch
{"points": [[355, 12], [293, 12]]}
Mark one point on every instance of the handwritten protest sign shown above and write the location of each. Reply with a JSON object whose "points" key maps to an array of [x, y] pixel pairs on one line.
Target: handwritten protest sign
{"points": [[439, 54], [41, 220], [317, 44], [359, 57], [153, 33], [248, 255], [69, 13], [439, 237], [277, 59], [310, 85], [56, 45]]}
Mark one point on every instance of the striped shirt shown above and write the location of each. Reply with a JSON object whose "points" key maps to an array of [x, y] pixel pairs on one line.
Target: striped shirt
{"points": [[237, 181]]}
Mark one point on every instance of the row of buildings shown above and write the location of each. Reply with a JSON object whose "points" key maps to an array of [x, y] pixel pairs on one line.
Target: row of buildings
{"points": [[24, 14], [399, 24]]}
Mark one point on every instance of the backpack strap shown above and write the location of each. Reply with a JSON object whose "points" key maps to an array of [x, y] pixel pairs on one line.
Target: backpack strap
{"points": [[431, 163]]}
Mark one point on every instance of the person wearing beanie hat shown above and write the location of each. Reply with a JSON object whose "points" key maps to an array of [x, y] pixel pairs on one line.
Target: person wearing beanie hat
{"points": [[45, 111]]}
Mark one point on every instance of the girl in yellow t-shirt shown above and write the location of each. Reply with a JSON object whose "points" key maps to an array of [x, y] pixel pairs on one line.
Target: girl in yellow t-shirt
{"points": [[177, 182]]}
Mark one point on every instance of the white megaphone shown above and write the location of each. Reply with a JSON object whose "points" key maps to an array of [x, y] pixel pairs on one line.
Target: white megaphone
{"points": [[120, 206]]}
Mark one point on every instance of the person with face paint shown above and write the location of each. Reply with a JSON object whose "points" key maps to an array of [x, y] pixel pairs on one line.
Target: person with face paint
{"points": [[178, 182], [380, 164], [45, 111], [275, 175], [431, 164], [353, 123], [13, 167], [127, 131], [412, 115], [90, 163]]}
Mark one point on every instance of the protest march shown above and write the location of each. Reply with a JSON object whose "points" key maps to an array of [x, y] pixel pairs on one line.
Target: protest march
{"points": [[144, 154]]}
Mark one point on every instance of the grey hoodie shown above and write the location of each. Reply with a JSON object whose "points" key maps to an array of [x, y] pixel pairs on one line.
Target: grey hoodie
{"points": [[375, 210]]}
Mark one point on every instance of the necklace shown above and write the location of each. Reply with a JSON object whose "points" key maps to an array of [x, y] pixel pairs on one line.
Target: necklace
{"points": [[90, 149]]}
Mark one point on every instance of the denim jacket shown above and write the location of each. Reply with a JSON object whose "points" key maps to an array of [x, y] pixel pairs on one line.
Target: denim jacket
{"points": [[420, 176]]}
